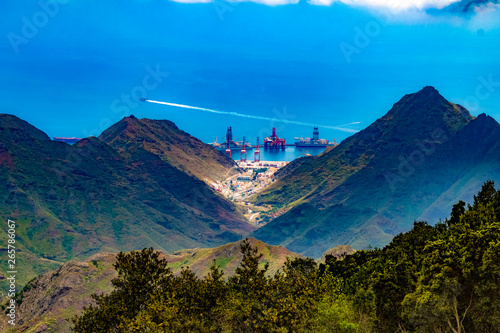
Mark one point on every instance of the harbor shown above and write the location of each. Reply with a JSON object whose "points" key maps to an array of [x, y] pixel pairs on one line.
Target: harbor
{"points": [[257, 166], [273, 147], [288, 154]]}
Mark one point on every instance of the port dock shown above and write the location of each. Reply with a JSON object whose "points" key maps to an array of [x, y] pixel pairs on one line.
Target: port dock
{"points": [[262, 164]]}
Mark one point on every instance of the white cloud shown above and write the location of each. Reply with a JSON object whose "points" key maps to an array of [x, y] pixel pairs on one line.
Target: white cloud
{"points": [[192, 1], [264, 2], [486, 8], [486, 17], [409, 11], [394, 5], [270, 2]]}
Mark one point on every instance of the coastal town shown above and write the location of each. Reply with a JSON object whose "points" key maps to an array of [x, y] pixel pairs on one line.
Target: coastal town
{"points": [[253, 178]]}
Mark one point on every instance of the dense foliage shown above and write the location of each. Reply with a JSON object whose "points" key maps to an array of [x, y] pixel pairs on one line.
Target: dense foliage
{"points": [[442, 278]]}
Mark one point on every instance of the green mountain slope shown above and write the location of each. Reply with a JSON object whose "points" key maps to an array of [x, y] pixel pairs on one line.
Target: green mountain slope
{"points": [[74, 201], [228, 257], [377, 182], [178, 148]]}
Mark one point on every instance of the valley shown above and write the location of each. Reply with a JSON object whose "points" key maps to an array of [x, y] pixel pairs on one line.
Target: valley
{"points": [[251, 179]]}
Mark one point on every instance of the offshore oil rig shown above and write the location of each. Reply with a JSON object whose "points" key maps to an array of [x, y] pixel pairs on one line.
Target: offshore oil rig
{"points": [[233, 145], [314, 142], [230, 144], [274, 142]]}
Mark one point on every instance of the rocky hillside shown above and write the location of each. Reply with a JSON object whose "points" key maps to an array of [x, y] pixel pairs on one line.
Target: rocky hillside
{"points": [[45, 304], [416, 161]]}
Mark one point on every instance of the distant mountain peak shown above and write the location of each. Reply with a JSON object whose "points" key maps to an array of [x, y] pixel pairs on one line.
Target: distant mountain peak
{"points": [[425, 111], [482, 128], [164, 139], [429, 89], [428, 94], [424, 97], [19, 129], [483, 117], [144, 122], [422, 153]]}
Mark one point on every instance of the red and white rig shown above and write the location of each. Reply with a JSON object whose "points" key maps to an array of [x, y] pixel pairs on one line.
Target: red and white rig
{"points": [[273, 142]]}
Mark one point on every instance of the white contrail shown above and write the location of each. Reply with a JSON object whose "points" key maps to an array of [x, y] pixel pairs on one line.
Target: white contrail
{"points": [[354, 123], [339, 128]]}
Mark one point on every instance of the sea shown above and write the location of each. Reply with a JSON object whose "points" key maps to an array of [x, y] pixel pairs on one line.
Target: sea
{"points": [[288, 154]]}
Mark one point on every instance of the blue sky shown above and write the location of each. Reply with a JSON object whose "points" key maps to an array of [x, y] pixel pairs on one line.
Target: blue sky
{"points": [[70, 67]]}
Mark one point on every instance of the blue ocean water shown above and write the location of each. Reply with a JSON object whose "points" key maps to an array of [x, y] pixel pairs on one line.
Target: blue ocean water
{"points": [[278, 155]]}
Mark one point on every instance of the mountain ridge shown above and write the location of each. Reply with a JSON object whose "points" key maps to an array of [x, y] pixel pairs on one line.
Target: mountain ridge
{"points": [[71, 201], [12, 125], [359, 193], [174, 146]]}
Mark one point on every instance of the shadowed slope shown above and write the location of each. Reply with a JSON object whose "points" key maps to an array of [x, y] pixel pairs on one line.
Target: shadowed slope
{"points": [[375, 183]]}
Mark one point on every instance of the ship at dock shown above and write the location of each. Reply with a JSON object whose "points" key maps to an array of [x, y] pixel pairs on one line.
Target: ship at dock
{"points": [[232, 144], [315, 142]]}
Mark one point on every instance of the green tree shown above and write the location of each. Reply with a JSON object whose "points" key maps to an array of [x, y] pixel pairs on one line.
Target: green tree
{"points": [[457, 289], [457, 211], [250, 290], [486, 194], [215, 300], [335, 311], [294, 296], [141, 276], [384, 276]]}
